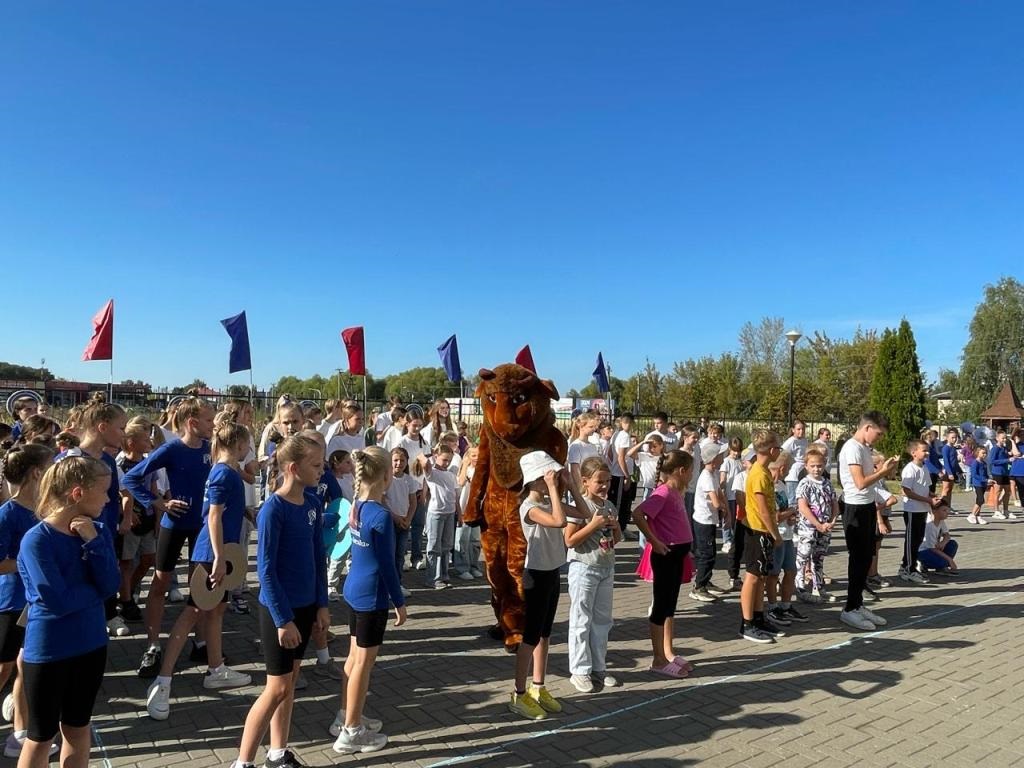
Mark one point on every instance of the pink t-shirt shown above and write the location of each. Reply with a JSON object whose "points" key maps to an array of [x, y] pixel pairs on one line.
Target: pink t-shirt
{"points": [[666, 514]]}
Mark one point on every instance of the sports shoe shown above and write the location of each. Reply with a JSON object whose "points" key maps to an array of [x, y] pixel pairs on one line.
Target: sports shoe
{"points": [[175, 595], [778, 615], [769, 627], [333, 595], [369, 723], [527, 706], [117, 627], [150, 664], [727, 548], [825, 596], [12, 746], [477, 573], [871, 616], [441, 585], [238, 604], [807, 597], [158, 701], [466, 576], [870, 595], [878, 581], [605, 680], [793, 614], [981, 520], [130, 611], [8, 707], [715, 591], [225, 677], [904, 575], [855, 620], [972, 519], [328, 669], [547, 702], [301, 683], [701, 595], [998, 516], [419, 565], [199, 654], [1012, 516], [756, 635], [360, 739], [582, 683], [287, 760], [916, 578]]}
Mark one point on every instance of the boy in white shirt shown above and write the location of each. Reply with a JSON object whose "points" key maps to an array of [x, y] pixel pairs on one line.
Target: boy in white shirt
{"points": [[671, 439], [937, 548], [731, 467], [917, 503], [706, 506], [796, 446], [443, 514]]}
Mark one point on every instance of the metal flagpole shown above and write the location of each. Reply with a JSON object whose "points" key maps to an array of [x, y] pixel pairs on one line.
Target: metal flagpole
{"points": [[110, 393], [252, 390], [364, 393]]}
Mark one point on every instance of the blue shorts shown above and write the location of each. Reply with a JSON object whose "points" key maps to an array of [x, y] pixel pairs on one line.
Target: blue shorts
{"points": [[785, 558]]}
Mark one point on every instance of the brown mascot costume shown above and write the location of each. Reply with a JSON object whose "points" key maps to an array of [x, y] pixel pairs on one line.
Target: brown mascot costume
{"points": [[517, 419]]}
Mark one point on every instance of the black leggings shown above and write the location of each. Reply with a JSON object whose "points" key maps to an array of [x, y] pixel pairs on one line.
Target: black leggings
{"points": [[668, 575], [622, 498]]}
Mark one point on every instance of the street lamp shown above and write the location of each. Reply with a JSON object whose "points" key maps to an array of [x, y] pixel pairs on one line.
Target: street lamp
{"points": [[792, 337]]}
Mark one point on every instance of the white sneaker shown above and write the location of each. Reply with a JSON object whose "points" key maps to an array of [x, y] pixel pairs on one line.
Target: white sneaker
{"points": [[972, 520], [872, 617], [333, 595], [420, 565], [13, 745], [477, 573], [466, 576], [981, 520], [370, 723], [855, 620], [582, 683], [117, 627], [1011, 516], [998, 516], [727, 548], [8, 707], [175, 595], [406, 592], [225, 677], [158, 701], [360, 739], [916, 578]]}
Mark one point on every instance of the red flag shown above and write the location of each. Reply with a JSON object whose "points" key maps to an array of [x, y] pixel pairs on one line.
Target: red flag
{"points": [[525, 359], [353, 339], [101, 345]]}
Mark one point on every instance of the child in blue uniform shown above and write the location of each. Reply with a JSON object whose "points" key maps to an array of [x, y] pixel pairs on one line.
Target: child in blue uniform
{"points": [[292, 568], [223, 512], [68, 566]]}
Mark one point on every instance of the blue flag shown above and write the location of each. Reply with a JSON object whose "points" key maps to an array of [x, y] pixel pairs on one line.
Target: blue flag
{"points": [[449, 352], [601, 376], [238, 330]]}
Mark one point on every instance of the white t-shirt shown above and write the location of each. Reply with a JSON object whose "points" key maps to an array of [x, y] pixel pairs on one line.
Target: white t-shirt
{"points": [[325, 427], [730, 468], [345, 442], [881, 496], [347, 483], [694, 451], [382, 422], [787, 528], [396, 498], [797, 447], [545, 547], [933, 532], [620, 440], [703, 512], [415, 450], [392, 438], [671, 440], [855, 452], [917, 479], [580, 450], [464, 491], [648, 464], [444, 493], [739, 483]]}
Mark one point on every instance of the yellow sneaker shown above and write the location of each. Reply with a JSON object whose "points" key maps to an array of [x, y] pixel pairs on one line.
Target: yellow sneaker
{"points": [[526, 706], [548, 702]]}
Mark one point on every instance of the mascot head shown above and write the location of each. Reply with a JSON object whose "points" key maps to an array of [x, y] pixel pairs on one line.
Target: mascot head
{"points": [[515, 401]]}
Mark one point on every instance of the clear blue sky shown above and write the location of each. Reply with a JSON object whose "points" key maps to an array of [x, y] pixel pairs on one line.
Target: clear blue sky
{"points": [[640, 178]]}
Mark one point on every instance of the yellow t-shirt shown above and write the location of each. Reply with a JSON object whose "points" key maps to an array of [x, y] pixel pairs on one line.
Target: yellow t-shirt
{"points": [[759, 480]]}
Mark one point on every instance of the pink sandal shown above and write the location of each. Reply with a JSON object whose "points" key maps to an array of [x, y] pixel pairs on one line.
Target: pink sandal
{"points": [[679, 660], [672, 669]]}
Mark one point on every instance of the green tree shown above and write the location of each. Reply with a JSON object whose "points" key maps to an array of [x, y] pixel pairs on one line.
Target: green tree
{"points": [[619, 392], [994, 352], [421, 385], [196, 384], [15, 371], [897, 388]]}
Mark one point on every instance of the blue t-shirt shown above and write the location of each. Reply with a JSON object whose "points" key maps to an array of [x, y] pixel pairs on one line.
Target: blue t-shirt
{"points": [[290, 558], [15, 521], [1000, 461], [372, 582], [224, 487], [326, 491], [66, 582], [1017, 467], [187, 470]]}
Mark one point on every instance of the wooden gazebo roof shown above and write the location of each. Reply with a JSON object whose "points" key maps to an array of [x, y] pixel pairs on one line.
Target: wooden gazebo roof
{"points": [[1007, 406]]}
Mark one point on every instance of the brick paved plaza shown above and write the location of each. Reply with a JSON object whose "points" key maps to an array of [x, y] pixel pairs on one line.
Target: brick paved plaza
{"points": [[941, 685]]}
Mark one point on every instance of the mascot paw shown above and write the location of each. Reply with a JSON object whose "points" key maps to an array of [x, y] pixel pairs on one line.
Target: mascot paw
{"points": [[495, 633]]}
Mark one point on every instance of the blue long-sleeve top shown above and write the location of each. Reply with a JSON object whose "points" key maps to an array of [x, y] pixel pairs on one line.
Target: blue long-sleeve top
{"points": [[950, 462], [66, 582], [223, 487], [1000, 461], [1017, 468], [290, 557], [327, 490], [934, 461], [187, 471], [372, 583], [979, 474], [15, 522]]}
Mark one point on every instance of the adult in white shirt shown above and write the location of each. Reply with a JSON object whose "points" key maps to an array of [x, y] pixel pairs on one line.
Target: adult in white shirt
{"points": [[796, 446], [860, 518], [346, 434]]}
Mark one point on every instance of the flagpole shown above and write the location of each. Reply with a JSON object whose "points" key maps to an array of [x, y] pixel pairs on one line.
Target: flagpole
{"points": [[461, 394], [110, 393], [364, 393], [252, 394]]}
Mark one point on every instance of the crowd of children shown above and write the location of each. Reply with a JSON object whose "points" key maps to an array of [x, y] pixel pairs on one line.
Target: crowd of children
{"points": [[91, 508]]}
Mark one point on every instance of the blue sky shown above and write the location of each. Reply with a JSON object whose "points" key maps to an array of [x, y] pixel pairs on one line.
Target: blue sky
{"points": [[639, 178]]}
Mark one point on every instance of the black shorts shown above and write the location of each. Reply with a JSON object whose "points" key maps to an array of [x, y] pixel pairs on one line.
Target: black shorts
{"points": [[758, 553], [278, 660], [12, 637], [62, 692], [367, 627], [979, 496], [1001, 480], [541, 588], [209, 568], [168, 546]]}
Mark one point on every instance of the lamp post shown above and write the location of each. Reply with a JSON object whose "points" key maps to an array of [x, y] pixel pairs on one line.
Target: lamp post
{"points": [[792, 337]]}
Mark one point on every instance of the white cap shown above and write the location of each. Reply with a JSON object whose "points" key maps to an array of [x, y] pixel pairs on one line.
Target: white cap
{"points": [[535, 463]]}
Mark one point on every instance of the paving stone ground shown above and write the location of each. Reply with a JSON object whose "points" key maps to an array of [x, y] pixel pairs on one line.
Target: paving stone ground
{"points": [[941, 685]]}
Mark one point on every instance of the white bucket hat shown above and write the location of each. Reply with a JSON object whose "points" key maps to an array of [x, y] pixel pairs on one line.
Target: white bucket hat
{"points": [[535, 463]]}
